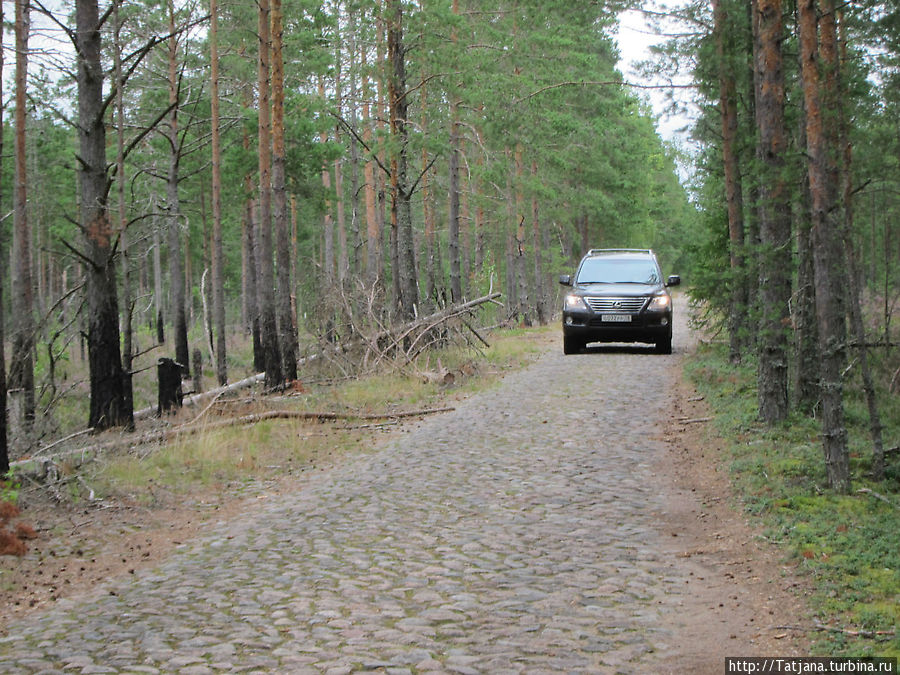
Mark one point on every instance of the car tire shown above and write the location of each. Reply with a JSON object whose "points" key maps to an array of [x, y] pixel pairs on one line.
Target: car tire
{"points": [[664, 346], [572, 345]]}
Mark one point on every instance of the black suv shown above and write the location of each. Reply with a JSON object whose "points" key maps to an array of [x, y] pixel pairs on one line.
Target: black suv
{"points": [[618, 295]]}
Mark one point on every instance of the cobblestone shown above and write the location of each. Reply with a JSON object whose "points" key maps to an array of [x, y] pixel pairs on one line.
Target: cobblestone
{"points": [[513, 535]]}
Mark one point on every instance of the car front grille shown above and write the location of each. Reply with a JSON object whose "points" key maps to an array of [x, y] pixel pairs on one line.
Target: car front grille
{"points": [[616, 305]]}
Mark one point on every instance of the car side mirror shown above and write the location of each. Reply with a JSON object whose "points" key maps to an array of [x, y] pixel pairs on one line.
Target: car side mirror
{"points": [[674, 280], [565, 279]]}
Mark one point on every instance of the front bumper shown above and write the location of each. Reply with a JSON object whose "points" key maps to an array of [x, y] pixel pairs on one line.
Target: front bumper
{"points": [[646, 326]]}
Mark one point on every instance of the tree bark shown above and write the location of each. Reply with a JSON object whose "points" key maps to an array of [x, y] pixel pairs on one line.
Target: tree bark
{"points": [[21, 367], [250, 280], [127, 337], [733, 185], [400, 188], [157, 280], [431, 269], [173, 208], [287, 338], [826, 255], [355, 243], [775, 217], [328, 222], [854, 274], [265, 282], [806, 359], [373, 233], [218, 255], [537, 241], [4, 448], [343, 260], [107, 406]]}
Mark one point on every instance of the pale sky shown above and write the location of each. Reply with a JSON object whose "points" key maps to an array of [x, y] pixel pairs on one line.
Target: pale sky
{"points": [[635, 38]]}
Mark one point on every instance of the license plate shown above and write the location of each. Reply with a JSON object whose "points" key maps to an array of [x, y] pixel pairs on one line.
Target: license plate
{"points": [[616, 318]]}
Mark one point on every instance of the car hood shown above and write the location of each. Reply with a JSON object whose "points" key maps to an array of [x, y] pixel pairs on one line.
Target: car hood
{"points": [[618, 290]]}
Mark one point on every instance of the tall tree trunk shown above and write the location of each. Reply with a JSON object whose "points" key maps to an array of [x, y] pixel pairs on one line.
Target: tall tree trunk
{"points": [[250, 278], [265, 282], [465, 230], [218, 254], [431, 285], [806, 387], [21, 367], [400, 187], [826, 242], [537, 242], [512, 289], [373, 234], [107, 406], [520, 257], [343, 259], [173, 209], [806, 360], [328, 259], [775, 218], [456, 292], [355, 243], [4, 449], [157, 279], [854, 274], [127, 337], [453, 228], [733, 186], [287, 338]]}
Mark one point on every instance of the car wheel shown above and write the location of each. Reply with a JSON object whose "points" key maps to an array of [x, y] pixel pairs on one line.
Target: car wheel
{"points": [[571, 345], [664, 346]]}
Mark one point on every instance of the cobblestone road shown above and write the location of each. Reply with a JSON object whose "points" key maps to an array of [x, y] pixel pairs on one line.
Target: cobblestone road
{"points": [[514, 535]]}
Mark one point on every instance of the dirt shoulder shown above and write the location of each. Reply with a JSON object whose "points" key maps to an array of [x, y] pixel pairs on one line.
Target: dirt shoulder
{"points": [[736, 577]]}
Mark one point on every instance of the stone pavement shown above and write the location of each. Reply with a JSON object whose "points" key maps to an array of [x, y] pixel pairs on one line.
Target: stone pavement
{"points": [[514, 535]]}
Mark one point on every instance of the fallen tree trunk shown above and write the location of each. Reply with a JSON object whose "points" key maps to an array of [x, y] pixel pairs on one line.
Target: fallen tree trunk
{"points": [[212, 393], [36, 468]]}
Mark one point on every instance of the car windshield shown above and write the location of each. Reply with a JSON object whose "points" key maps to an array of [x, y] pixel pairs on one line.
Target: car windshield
{"points": [[617, 271]]}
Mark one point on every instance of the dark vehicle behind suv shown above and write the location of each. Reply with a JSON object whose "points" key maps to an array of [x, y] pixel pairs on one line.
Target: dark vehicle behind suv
{"points": [[618, 295]]}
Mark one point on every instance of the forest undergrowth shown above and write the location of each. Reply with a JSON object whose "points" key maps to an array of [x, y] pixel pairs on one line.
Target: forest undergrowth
{"points": [[247, 437], [846, 545]]}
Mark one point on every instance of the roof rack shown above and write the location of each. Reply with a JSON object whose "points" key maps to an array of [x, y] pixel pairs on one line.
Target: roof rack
{"points": [[598, 251]]}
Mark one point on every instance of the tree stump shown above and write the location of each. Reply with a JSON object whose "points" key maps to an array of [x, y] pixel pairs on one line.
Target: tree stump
{"points": [[170, 395]]}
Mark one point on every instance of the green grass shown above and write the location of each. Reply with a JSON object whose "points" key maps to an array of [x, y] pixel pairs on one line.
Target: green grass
{"points": [[846, 545]]}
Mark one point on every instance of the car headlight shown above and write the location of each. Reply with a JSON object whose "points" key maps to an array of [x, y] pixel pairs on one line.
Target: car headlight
{"points": [[660, 303], [575, 303]]}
